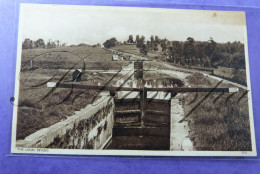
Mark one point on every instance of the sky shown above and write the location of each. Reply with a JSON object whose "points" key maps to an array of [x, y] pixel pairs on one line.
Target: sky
{"points": [[95, 24]]}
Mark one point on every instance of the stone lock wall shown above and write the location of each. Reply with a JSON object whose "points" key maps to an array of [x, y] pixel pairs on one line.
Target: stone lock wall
{"points": [[89, 128]]}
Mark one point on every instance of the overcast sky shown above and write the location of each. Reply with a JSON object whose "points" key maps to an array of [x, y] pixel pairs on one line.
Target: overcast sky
{"points": [[91, 25]]}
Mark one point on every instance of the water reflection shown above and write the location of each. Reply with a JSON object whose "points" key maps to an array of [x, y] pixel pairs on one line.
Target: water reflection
{"points": [[157, 83], [141, 83]]}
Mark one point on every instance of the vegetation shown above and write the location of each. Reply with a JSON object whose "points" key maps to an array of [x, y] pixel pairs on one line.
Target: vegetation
{"points": [[130, 39], [40, 43], [208, 54], [65, 57], [217, 125], [49, 111], [198, 53], [110, 43]]}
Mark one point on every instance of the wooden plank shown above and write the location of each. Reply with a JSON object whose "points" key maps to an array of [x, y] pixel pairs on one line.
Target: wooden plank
{"points": [[139, 143], [140, 131], [127, 104], [158, 107], [127, 117], [111, 88], [158, 112], [156, 123], [126, 101], [128, 111]]}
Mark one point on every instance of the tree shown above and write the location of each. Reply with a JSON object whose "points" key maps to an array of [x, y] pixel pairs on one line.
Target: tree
{"points": [[58, 43], [201, 52], [163, 45], [151, 38], [130, 39], [140, 41], [110, 43], [143, 49], [210, 47], [157, 39], [27, 44], [189, 50], [39, 43], [176, 51], [50, 44], [137, 39], [153, 45]]}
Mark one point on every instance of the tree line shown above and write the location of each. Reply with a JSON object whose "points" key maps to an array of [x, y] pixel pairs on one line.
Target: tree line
{"points": [[190, 52], [40, 43]]}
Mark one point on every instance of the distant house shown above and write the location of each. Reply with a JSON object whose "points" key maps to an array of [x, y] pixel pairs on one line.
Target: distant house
{"points": [[76, 75], [115, 57]]}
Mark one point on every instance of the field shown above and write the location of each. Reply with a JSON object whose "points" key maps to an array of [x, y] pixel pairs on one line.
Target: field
{"points": [[34, 112], [217, 125], [68, 57], [127, 48]]}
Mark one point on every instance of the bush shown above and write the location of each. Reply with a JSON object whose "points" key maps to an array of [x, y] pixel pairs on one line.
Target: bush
{"points": [[198, 79]]}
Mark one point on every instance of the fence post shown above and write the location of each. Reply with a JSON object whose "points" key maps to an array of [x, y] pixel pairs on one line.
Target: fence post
{"points": [[143, 96]]}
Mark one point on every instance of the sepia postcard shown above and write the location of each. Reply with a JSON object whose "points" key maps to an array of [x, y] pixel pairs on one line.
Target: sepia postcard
{"points": [[95, 80]]}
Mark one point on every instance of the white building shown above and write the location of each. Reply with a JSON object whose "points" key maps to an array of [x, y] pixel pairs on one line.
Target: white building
{"points": [[115, 57]]}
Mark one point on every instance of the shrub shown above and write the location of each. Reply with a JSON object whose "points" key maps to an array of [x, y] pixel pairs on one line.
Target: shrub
{"points": [[198, 79]]}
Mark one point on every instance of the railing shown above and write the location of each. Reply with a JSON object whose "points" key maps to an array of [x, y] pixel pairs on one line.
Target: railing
{"points": [[119, 88]]}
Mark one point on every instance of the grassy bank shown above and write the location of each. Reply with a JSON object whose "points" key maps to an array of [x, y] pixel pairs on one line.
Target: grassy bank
{"points": [[34, 115], [219, 126]]}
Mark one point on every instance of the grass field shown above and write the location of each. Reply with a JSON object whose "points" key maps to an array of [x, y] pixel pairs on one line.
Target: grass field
{"points": [[67, 57], [217, 125]]}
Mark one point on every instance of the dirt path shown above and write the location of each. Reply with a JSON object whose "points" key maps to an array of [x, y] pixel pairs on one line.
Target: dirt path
{"points": [[179, 135]]}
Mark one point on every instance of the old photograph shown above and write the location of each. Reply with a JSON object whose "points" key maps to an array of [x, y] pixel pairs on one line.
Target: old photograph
{"points": [[95, 80]]}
